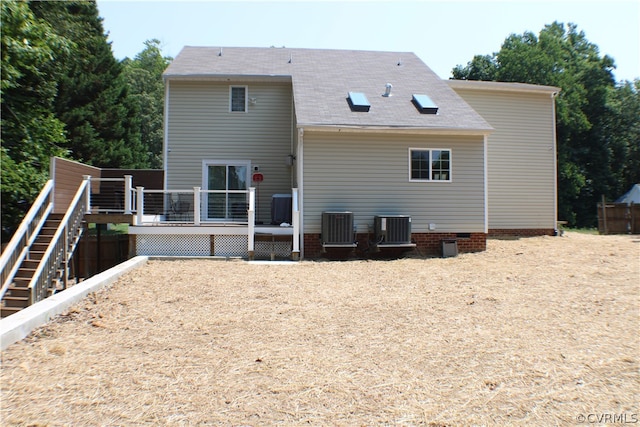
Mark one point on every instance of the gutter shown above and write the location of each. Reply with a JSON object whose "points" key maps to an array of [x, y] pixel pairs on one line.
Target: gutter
{"points": [[393, 129]]}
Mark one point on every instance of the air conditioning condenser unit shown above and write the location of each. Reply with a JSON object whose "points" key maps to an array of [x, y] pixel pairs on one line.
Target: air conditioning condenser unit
{"points": [[337, 230], [393, 231]]}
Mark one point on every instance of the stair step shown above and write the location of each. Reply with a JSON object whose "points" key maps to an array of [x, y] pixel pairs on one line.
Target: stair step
{"points": [[35, 255], [31, 264], [48, 231], [26, 273], [43, 240], [21, 282], [18, 291], [11, 301], [39, 247], [8, 311]]}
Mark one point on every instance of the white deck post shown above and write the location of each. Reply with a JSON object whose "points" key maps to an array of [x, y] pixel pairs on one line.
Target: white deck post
{"points": [[196, 205], [295, 219], [88, 192], [251, 218], [140, 203], [128, 182]]}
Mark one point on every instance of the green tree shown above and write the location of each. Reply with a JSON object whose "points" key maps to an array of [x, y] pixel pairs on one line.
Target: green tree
{"points": [[562, 56], [146, 88], [481, 67], [93, 102], [30, 132], [622, 135]]}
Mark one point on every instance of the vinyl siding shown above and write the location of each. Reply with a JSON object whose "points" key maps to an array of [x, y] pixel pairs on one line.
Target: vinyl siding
{"points": [[201, 127], [521, 157], [368, 174]]}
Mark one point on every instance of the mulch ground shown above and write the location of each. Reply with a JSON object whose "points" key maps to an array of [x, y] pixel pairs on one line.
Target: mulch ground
{"points": [[537, 331]]}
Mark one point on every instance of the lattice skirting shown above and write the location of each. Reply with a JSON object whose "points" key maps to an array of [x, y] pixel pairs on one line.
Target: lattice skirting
{"points": [[278, 249], [207, 245], [174, 244], [231, 246]]}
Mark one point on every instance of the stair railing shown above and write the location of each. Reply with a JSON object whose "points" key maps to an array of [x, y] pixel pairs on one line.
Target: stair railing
{"points": [[62, 245], [18, 246]]}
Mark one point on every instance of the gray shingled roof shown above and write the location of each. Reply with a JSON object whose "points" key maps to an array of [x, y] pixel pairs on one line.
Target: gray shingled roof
{"points": [[322, 78]]}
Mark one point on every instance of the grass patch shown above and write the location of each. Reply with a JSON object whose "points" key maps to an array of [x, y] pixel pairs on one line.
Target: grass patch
{"points": [[592, 231], [109, 229]]}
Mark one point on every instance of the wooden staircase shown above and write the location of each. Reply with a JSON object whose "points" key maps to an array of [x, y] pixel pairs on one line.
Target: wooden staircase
{"points": [[35, 263], [19, 295]]}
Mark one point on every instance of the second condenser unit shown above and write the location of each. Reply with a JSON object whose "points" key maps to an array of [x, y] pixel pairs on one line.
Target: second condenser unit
{"points": [[393, 231]]}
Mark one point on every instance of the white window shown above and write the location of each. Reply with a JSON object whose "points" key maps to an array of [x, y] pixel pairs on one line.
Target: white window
{"points": [[429, 164], [238, 99], [226, 185]]}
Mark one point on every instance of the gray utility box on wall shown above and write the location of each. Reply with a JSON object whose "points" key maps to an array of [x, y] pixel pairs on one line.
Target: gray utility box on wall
{"points": [[449, 248], [337, 230]]}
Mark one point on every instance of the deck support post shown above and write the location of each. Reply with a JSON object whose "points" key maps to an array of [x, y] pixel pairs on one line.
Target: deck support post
{"points": [[140, 205], [295, 219], [88, 192], [251, 219], [128, 182], [196, 205]]}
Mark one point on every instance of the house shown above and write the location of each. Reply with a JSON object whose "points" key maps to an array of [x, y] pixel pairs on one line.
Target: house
{"points": [[521, 154], [359, 139]]}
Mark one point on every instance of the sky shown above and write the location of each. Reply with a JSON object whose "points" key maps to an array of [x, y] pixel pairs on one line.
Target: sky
{"points": [[443, 34]]}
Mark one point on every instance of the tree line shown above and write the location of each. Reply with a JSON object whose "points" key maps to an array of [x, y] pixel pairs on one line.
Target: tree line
{"points": [[597, 119], [63, 93]]}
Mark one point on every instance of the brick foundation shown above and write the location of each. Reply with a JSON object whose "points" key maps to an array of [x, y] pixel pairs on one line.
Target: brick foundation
{"points": [[427, 244], [521, 232]]}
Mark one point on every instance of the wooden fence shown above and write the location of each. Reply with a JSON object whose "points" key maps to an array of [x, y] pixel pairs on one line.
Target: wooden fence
{"points": [[618, 218]]}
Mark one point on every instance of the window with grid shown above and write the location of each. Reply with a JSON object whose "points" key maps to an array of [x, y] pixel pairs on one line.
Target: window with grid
{"points": [[238, 98], [429, 164]]}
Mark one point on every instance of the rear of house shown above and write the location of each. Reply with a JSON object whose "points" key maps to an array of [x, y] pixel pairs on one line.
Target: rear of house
{"points": [[369, 134], [277, 119]]}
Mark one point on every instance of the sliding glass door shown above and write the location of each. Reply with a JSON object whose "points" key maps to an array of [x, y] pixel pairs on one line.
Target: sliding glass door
{"points": [[226, 185]]}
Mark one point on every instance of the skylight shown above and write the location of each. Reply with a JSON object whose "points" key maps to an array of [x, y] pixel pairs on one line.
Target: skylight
{"points": [[424, 104], [358, 101]]}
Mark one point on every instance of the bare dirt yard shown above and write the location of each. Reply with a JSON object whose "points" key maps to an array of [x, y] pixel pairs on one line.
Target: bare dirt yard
{"points": [[537, 331]]}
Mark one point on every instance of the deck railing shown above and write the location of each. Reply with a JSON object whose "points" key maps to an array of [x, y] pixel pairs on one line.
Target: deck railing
{"points": [[110, 195], [61, 247], [191, 206], [18, 246], [199, 207]]}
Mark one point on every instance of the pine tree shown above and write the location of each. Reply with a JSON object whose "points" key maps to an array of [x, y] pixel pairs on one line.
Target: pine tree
{"points": [[144, 76], [93, 101], [30, 132]]}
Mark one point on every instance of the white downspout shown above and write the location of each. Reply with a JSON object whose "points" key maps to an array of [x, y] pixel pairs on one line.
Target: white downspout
{"points": [[165, 151], [555, 161], [486, 184], [300, 170]]}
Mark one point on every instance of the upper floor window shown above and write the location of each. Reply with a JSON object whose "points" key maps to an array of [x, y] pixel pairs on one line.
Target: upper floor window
{"points": [[429, 164], [238, 98]]}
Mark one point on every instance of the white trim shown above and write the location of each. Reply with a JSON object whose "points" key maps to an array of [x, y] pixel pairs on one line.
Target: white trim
{"points": [[555, 160], [246, 98], [300, 170], [165, 149], [212, 229], [486, 183], [430, 150], [205, 181], [501, 86], [395, 130]]}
